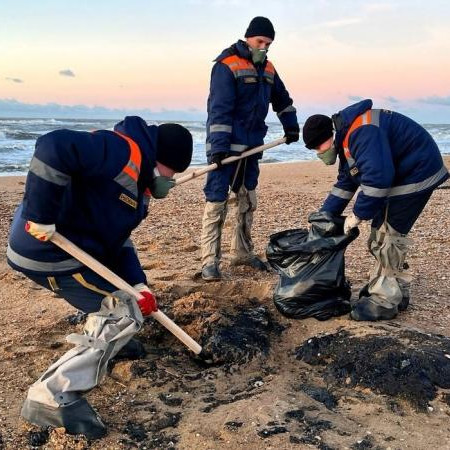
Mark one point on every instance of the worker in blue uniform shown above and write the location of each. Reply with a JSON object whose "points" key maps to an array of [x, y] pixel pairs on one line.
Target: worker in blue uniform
{"points": [[396, 165], [243, 85], [94, 188]]}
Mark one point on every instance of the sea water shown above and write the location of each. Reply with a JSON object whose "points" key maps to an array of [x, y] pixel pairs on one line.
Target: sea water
{"points": [[18, 137]]}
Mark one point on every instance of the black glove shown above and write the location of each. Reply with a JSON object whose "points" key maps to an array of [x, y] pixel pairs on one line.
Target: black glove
{"points": [[217, 158], [292, 134]]}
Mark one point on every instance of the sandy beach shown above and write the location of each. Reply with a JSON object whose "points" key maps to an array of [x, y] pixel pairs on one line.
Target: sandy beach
{"points": [[170, 401]]}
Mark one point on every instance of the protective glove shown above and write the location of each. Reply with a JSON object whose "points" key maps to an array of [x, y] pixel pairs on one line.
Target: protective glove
{"points": [[351, 221], [291, 134], [39, 230], [217, 158], [147, 304]]}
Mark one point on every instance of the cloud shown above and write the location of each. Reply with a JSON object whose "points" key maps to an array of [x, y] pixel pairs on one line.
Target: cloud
{"points": [[10, 107], [391, 99], [66, 73], [14, 80], [355, 98], [436, 100]]}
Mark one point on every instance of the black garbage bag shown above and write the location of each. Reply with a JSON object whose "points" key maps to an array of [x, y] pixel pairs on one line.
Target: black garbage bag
{"points": [[311, 267]]}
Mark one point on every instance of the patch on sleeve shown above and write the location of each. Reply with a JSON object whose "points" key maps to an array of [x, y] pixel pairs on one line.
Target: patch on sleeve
{"points": [[128, 200], [354, 171]]}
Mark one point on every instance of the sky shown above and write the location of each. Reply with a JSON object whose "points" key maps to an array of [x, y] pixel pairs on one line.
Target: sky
{"points": [[103, 58]]}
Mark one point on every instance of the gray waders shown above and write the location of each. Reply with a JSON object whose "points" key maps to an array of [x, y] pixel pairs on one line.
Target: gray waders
{"points": [[56, 398], [212, 225], [388, 289]]}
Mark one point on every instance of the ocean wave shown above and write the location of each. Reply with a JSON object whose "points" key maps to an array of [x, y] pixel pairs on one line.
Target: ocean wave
{"points": [[21, 135], [6, 169], [18, 136], [31, 121]]}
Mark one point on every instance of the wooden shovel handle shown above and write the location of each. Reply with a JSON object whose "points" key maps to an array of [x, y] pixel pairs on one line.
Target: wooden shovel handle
{"points": [[230, 159], [119, 283]]}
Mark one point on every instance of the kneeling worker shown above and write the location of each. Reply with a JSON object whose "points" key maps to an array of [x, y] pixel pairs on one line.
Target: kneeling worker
{"points": [[397, 165], [93, 188]]}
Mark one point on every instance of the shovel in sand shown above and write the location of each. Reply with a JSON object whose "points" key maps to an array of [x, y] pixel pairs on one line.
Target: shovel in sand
{"points": [[119, 283], [230, 159]]}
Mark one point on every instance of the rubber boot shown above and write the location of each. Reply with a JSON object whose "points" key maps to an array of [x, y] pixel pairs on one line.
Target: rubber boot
{"points": [[55, 399], [77, 417], [241, 241], [212, 225], [211, 272], [382, 297]]}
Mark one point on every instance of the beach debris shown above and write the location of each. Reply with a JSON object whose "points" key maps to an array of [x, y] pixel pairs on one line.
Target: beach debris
{"points": [[233, 425], [38, 438], [267, 432]]}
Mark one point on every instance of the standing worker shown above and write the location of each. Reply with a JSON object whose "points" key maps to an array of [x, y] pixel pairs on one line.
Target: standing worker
{"points": [[243, 84], [93, 188], [397, 165]]}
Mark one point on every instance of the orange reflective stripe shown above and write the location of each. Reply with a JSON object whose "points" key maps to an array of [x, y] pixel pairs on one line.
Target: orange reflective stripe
{"points": [[236, 63], [363, 119], [131, 172], [356, 124], [134, 164], [270, 68]]}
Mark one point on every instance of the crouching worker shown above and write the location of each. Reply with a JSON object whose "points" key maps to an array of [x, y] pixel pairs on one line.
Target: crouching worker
{"points": [[396, 165], [93, 188]]}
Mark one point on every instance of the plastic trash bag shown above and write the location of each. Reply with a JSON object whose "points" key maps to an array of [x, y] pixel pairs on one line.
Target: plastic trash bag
{"points": [[311, 267]]}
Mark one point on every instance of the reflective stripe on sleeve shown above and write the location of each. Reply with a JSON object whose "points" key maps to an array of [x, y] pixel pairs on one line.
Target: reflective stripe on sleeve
{"points": [[289, 108], [218, 127], [337, 192], [375, 192], [48, 173]]}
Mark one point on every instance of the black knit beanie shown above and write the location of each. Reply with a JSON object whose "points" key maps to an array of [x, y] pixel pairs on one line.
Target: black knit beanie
{"points": [[174, 146], [260, 26], [317, 130]]}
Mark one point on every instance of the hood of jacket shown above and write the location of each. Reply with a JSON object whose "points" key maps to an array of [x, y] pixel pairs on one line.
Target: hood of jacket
{"points": [[239, 48]]}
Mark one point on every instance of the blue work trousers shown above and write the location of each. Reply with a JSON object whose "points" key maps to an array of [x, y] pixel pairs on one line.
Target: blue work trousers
{"points": [[84, 290], [219, 182]]}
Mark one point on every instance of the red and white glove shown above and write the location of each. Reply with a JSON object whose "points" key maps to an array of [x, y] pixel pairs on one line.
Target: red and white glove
{"points": [[39, 230], [147, 304]]}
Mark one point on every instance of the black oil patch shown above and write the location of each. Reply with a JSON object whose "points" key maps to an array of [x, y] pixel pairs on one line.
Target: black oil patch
{"points": [[38, 438], [405, 364], [237, 339]]}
